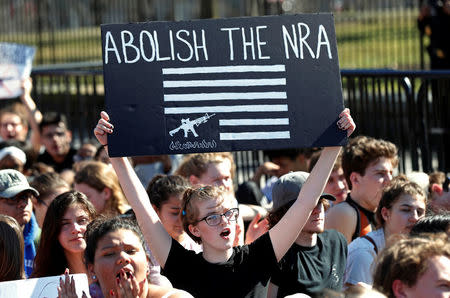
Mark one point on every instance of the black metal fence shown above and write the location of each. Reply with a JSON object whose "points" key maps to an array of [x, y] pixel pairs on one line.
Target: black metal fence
{"points": [[411, 109], [370, 34]]}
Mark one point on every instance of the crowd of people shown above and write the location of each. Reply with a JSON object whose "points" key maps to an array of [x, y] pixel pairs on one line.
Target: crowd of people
{"points": [[321, 222]]}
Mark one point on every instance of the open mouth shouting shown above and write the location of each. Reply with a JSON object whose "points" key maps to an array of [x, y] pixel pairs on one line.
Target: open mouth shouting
{"points": [[124, 273], [225, 233]]}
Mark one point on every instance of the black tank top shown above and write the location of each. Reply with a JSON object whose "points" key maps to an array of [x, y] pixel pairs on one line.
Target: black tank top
{"points": [[360, 212]]}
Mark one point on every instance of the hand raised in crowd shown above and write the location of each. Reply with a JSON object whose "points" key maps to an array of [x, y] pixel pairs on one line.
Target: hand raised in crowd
{"points": [[346, 122], [66, 287], [26, 85], [103, 128], [256, 228]]}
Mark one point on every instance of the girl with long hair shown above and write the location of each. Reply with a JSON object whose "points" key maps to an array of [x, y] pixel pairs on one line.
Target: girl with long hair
{"points": [[62, 241]]}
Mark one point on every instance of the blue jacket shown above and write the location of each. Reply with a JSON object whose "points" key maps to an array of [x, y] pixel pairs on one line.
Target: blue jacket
{"points": [[29, 233]]}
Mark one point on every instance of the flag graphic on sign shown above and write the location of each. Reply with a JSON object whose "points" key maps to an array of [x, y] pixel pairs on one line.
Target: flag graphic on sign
{"points": [[190, 91]]}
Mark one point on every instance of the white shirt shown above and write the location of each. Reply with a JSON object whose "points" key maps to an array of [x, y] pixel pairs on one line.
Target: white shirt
{"points": [[361, 257]]}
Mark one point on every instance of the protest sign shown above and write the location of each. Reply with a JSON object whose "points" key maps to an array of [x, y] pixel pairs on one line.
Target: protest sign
{"points": [[222, 85], [41, 287], [15, 64]]}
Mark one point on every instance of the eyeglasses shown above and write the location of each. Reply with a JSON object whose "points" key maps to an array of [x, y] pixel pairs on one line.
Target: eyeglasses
{"points": [[23, 197], [215, 219]]}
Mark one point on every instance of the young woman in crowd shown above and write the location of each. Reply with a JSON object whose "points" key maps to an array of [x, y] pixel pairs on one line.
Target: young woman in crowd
{"points": [[209, 216], [166, 193], [402, 204], [62, 241], [11, 249], [100, 184], [49, 185], [116, 258]]}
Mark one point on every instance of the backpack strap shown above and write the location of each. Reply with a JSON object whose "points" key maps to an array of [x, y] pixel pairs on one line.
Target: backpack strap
{"points": [[371, 241], [365, 226]]}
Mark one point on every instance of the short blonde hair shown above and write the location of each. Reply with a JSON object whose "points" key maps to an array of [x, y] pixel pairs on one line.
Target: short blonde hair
{"points": [[189, 206]]}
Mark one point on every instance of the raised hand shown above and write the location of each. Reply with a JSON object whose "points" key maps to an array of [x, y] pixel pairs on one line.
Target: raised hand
{"points": [[66, 287], [346, 122], [103, 128], [256, 228]]}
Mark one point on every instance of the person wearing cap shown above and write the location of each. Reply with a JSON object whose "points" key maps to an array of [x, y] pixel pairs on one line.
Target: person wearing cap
{"points": [[316, 261], [12, 157], [15, 201]]}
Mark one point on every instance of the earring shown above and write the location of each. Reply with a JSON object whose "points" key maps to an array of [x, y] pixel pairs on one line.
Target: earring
{"points": [[94, 277]]}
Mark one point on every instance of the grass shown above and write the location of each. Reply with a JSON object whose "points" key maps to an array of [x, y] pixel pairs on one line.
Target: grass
{"points": [[387, 39]]}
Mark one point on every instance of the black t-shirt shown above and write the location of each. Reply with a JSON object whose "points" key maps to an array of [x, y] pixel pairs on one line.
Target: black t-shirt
{"points": [[310, 270], [59, 167], [248, 266]]}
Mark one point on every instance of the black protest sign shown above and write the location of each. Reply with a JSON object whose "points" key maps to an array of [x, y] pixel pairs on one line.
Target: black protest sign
{"points": [[222, 85]]}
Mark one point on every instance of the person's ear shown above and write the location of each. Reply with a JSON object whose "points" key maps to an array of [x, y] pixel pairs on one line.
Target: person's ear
{"points": [[156, 209], [91, 271], [385, 213], [106, 192], [436, 188], [354, 178], [194, 230], [398, 288], [69, 135], [194, 180]]}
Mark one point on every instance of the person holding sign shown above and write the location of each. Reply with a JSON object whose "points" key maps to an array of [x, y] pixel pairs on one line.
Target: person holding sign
{"points": [[17, 119], [208, 215]]}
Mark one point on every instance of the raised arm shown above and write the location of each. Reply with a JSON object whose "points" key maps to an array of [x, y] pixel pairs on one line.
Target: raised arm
{"points": [[284, 233], [34, 115], [154, 233]]}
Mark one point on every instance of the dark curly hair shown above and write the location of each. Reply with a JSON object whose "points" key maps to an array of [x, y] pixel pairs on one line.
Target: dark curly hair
{"points": [[102, 226]]}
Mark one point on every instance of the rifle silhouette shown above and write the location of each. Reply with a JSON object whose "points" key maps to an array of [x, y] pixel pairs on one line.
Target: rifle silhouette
{"points": [[188, 125]]}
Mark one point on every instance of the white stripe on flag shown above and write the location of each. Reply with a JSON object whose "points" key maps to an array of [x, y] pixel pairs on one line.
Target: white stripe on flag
{"points": [[226, 109], [224, 83], [224, 95], [224, 69], [265, 135], [266, 121]]}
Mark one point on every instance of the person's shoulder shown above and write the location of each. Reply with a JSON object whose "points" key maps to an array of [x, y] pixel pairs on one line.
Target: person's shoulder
{"points": [[333, 235], [164, 292], [342, 208], [340, 214], [361, 245]]}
